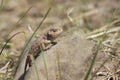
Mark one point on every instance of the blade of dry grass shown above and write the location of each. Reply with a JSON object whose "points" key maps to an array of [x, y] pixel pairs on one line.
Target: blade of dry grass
{"points": [[102, 33], [102, 28], [98, 47]]}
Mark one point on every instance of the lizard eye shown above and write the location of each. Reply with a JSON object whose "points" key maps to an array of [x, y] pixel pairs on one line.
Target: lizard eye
{"points": [[53, 30]]}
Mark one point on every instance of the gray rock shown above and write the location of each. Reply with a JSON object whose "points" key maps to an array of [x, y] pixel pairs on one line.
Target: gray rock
{"points": [[67, 60]]}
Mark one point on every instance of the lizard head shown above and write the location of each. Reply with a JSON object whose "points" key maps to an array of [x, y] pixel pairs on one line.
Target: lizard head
{"points": [[54, 32]]}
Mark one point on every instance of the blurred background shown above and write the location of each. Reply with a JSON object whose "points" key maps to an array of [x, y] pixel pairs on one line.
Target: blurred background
{"points": [[17, 15], [91, 14]]}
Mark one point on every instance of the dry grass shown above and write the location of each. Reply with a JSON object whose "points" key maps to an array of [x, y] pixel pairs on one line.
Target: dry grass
{"points": [[73, 18]]}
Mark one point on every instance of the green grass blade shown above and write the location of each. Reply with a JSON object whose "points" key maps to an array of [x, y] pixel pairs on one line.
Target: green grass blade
{"points": [[1, 5], [9, 40], [42, 55], [23, 15], [34, 64], [15, 25], [99, 68], [44, 64], [98, 48], [27, 43], [6, 45], [58, 63], [44, 61]]}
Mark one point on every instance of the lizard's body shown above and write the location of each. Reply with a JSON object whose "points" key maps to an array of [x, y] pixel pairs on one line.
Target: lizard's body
{"points": [[38, 44]]}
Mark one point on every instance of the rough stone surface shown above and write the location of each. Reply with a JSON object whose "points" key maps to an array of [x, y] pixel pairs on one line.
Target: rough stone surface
{"points": [[72, 53]]}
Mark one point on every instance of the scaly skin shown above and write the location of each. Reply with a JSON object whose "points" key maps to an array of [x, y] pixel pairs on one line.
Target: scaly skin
{"points": [[43, 42], [46, 40]]}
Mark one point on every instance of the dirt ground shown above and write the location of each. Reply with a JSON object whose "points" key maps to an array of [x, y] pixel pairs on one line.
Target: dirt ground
{"points": [[89, 16]]}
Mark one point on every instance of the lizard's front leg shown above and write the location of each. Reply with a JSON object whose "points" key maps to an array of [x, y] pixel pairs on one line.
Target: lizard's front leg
{"points": [[44, 44], [33, 54], [35, 49]]}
